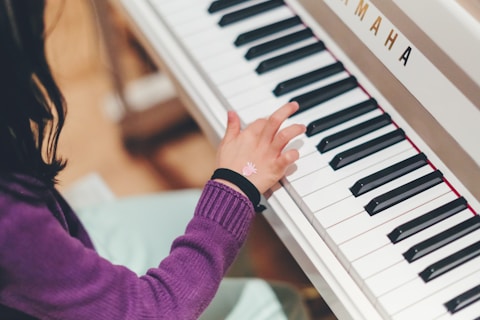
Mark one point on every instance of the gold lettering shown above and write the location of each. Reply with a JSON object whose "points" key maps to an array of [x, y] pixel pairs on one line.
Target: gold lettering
{"points": [[361, 9], [391, 39], [376, 24], [345, 1], [405, 56]]}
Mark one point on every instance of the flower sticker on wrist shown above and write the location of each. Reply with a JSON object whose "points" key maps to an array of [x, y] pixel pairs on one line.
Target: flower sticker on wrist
{"points": [[249, 169]]}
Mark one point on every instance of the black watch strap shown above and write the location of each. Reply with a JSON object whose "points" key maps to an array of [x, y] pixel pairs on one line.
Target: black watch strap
{"points": [[243, 183]]}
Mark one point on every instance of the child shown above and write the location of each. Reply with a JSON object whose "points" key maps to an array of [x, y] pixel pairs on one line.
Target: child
{"points": [[49, 268]]}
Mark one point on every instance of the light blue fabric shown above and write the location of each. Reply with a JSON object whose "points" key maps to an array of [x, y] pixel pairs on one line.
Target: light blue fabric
{"points": [[137, 232]]}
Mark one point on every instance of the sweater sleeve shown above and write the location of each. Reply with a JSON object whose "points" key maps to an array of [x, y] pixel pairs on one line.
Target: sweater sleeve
{"points": [[48, 274]]}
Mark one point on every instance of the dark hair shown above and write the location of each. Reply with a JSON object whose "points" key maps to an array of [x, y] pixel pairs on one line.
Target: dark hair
{"points": [[32, 108]]}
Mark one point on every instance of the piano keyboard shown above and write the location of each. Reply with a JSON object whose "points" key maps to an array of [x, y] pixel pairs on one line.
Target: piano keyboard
{"points": [[406, 236]]}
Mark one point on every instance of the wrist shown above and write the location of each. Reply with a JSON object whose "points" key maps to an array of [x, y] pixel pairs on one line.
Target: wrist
{"points": [[239, 182], [230, 185]]}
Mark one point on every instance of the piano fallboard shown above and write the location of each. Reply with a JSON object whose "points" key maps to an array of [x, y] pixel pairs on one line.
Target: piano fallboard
{"points": [[340, 240]]}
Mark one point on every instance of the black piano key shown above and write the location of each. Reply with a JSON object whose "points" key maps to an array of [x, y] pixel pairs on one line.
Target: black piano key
{"points": [[388, 174], [270, 29], [452, 261], [337, 139], [427, 220], [308, 78], [341, 116], [404, 192], [269, 46], [248, 12], [463, 300], [441, 239], [218, 5], [289, 57], [365, 149], [316, 97]]}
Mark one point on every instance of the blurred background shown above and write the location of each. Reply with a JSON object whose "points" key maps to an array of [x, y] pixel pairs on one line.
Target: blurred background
{"points": [[154, 148]]}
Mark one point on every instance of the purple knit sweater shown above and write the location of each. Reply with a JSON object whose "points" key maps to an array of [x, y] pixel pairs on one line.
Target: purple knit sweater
{"points": [[49, 269]]}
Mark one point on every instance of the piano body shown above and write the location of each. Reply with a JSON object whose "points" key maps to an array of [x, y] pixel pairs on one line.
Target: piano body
{"points": [[381, 209]]}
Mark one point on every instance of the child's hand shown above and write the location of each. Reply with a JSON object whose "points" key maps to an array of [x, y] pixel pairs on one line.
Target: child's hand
{"points": [[257, 151]]}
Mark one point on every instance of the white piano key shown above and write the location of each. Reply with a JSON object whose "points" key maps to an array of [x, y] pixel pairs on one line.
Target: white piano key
{"points": [[257, 21], [315, 201], [333, 105], [309, 184], [218, 58], [355, 226], [217, 55], [432, 306], [340, 102], [271, 79], [228, 34], [260, 94], [339, 191], [236, 68], [413, 291], [305, 164], [195, 18], [376, 237], [338, 212], [240, 84], [236, 7], [169, 7], [362, 266], [311, 143], [191, 27], [329, 107], [316, 85], [210, 48], [390, 254], [365, 198], [189, 14], [216, 49], [402, 246], [470, 312], [403, 272], [262, 110], [347, 176], [253, 97], [297, 68]]}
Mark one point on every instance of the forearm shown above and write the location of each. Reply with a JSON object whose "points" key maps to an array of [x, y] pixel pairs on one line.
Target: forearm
{"points": [[53, 276], [207, 249]]}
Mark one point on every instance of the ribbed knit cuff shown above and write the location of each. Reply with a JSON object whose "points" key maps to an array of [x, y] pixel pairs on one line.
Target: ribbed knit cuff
{"points": [[229, 208]]}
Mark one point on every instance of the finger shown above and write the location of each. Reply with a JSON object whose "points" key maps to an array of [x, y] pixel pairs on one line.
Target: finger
{"points": [[285, 135], [277, 118], [233, 126], [288, 158], [257, 126]]}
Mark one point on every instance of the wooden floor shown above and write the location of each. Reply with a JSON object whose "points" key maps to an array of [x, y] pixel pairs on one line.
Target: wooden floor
{"points": [[94, 143]]}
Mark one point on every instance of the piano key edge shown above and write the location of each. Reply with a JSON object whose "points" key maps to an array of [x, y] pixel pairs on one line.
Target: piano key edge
{"points": [[324, 270]]}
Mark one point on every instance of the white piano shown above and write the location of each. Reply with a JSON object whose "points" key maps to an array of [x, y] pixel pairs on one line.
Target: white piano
{"points": [[381, 209]]}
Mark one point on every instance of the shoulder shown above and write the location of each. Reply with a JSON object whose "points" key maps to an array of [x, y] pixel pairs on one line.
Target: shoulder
{"points": [[21, 197], [23, 205], [16, 187]]}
